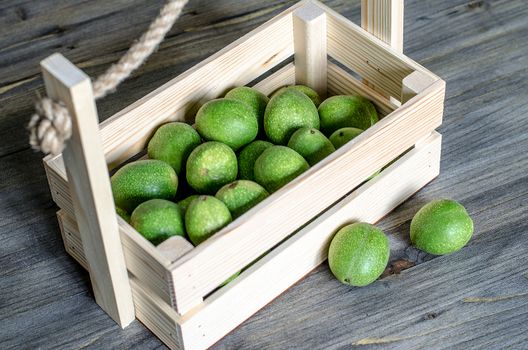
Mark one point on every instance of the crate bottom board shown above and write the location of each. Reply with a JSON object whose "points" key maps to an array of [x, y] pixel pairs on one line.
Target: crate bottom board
{"points": [[225, 309]]}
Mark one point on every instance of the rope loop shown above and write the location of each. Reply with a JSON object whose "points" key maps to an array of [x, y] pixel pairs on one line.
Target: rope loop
{"points": [[50, 126]]}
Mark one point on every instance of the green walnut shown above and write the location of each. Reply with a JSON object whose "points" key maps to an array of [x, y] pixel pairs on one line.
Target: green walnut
{"points": [[343, 111], [205, 216], [254, 99], [286, 112], [358, 254], [172, 143], [277, 166], [157, 220], [123, 214], [311, 93], [228, 121], [139, 181], [210, 166], [184, 203], [441, 227], [248, 156], [342, 136], [311, 144], [241, 195]]}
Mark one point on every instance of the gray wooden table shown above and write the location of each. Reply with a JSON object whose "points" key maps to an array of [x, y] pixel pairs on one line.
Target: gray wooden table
{"points": [[474, 299]]}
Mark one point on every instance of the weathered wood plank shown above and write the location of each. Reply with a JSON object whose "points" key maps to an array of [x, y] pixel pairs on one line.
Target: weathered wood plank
{"points": [[479, 47]]}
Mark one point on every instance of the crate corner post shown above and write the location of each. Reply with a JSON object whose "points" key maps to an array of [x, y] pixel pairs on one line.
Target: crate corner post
{"points": [[310, 43], [89, 184], [384, 19]]}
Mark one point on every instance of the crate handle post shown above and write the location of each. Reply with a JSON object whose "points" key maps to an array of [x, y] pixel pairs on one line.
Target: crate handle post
{"points": [[384, 19], [309, 38], [90, 189]]}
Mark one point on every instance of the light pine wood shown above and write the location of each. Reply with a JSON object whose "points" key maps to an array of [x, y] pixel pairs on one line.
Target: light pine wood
{"points": [[157, 315], [370, 57], [151, 310], [415, 83], [90, 185], [127, 132], [384, 20], [71, 238], [342, 83], [56, 172], [232, 248], [412, 85], [267, 278], [174, 247], [345, 84], [282, 77], [143, 260], [483, 167], [309, 37], [196, 272]]}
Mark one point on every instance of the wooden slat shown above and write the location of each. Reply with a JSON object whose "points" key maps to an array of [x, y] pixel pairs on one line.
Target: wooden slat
{"points": [[127, 132], [231, 305], [157, 315], [272, 220], [145, 262], [174, 247], [292, 260], [71, 239], [142, 258], [413, 84], [367, 55], [342, 83], [309, 36], [90, 189], [56, 172], [151, 310], [384, 20], [284, 76]]}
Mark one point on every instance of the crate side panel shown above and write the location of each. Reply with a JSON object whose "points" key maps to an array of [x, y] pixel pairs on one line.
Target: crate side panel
{"points": [[268, 278], [156, 315], [282, 77], [151, 310], [127, 132], [54, 166], [156, 275], [139, 261], [367, 55], [342, 83], [272, 220], [72, 239]]}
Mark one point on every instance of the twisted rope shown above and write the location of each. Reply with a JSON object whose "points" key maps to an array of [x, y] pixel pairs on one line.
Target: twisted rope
{"points": [[50, 126]]}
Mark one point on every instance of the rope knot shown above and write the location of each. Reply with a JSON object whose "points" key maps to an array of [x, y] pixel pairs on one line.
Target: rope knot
{"points": [[50, 127]]}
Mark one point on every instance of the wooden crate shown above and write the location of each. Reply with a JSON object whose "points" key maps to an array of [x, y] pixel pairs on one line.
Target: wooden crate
{"points": [[309, 44]]}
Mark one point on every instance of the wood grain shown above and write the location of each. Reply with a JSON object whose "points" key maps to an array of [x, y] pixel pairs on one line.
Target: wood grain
{"points": [[201, 271], [384, 19], [90, 188], [227, 307], [309, 38], [245, 239], [479, 47]]}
